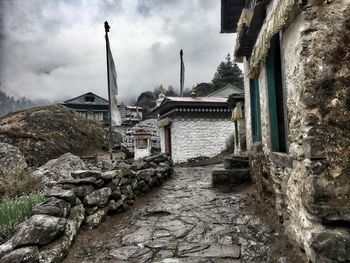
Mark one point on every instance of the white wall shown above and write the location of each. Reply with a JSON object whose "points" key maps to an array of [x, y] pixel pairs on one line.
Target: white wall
{"points": [[191, 138]]}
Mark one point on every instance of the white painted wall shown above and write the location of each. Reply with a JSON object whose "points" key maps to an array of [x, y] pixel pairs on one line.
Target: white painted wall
{"points": [[191, 138]]}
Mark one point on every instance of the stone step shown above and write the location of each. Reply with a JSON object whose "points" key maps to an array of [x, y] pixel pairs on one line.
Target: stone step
{"points": [[233, 162], [220, 175]]}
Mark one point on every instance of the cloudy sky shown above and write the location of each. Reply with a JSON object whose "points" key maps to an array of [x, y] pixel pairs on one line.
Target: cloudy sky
{"points": [[55, 49]]}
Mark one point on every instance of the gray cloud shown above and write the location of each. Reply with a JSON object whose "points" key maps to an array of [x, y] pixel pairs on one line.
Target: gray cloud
{"points": [[55, 49]]}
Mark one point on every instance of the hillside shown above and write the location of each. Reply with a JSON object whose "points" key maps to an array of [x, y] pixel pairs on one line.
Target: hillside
{"points": [[44, 133]]}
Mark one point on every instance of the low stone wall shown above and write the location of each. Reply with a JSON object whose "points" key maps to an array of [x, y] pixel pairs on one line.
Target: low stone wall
{"points": [[83, 200]]}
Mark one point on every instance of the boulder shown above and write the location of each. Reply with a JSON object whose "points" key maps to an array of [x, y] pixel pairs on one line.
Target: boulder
{"points": [[96, 218], [22, 255], [39, 230], [53, 206], [98, 197], [60, 168], [11, 160], [57, 250]]}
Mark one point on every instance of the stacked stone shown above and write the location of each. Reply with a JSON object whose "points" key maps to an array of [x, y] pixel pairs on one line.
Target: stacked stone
{"points": [[84, 200]]}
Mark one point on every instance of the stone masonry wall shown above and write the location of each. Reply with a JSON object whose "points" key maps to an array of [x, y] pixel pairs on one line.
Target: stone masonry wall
{"points": [[310, 186], [84, 199], [192, 138]]}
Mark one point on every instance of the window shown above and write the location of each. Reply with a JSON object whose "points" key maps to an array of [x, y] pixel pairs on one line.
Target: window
{"points": [[275, 97], [89, 98], [255, 109]]}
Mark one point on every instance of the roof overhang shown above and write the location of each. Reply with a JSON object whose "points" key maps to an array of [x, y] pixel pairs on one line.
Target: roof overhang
{"points": [[230, 14]]}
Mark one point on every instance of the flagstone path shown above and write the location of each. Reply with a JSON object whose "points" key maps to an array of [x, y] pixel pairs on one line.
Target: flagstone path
{"points": [[186, 220]]}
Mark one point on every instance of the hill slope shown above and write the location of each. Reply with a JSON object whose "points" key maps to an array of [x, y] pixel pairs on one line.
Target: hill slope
{"points": [[44, 133]]}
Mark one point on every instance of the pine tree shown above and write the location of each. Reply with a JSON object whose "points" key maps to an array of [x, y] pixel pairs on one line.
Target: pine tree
{"points": [[228, 73]]}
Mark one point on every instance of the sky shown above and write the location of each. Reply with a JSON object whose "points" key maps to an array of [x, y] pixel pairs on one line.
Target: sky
{"points": [[55, 49]]}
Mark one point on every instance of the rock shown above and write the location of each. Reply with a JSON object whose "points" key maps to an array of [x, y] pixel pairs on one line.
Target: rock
{"points": [[96, 218], [67, 195], [79, 174], [98, 197], [134, 183], [54, 207], [125, 181], [328, 198], [6, 248], [123, 253], [11, 160], [145, 175], [81, 181], [22, 255], [218, 251], [331, 246], [116, 193], [127, 190], [116, 205], [115, 183], [60, 168], [82, 190], [153, 165], [90, 210], [108, 176], [39, 230], [138, 165], [154, 157], [57, 250], [123, 165]]}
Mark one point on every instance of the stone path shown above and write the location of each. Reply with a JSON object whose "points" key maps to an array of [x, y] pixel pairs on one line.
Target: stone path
{"points": [[186, 220]]}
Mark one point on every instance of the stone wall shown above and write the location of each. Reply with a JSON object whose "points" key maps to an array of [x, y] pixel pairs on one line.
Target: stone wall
{"points": [[192, 138], [81, 200], [310, 185]]}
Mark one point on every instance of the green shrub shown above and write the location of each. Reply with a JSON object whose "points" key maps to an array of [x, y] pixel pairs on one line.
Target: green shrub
{"points": [[15, 211]]}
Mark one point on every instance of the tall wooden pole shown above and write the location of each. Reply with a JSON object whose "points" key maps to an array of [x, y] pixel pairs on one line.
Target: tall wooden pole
{"points": [[181, 74], [109, 94]]}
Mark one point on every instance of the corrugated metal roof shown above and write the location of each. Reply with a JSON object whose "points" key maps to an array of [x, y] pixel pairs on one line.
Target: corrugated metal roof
{"points": [[226, 91]]}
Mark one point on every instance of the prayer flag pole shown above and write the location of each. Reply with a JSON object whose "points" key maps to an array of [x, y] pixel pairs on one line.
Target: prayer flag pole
{"points": [[109, 93], [182, 74]]}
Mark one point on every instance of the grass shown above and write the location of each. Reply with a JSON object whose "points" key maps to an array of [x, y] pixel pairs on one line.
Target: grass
{"points": [[18, 183], [15, 211]]}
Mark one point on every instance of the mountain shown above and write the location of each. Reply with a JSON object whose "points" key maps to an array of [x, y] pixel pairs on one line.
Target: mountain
{"points": [[9, 104]]}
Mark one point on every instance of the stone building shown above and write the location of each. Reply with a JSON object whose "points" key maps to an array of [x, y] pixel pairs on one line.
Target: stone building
{"points": [[194, 127], [297, 104]]}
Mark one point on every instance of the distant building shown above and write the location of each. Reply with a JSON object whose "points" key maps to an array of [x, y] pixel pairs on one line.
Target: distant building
{"points": [[90, 106], [194, 127], [93, 107], [226, 91]]}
